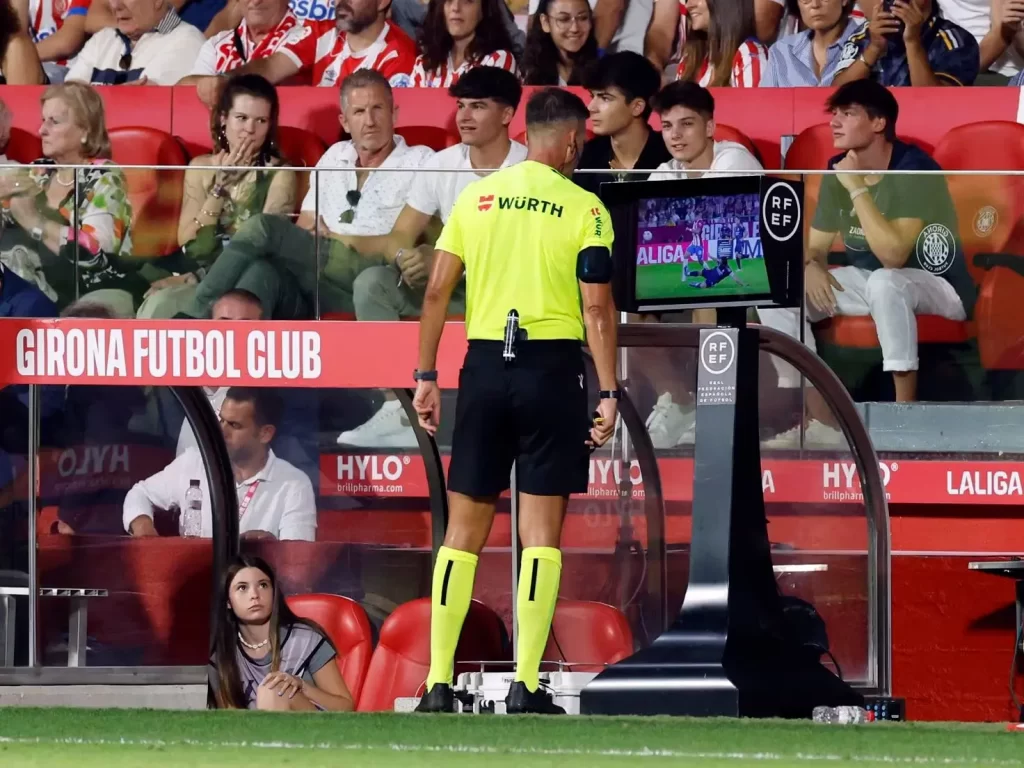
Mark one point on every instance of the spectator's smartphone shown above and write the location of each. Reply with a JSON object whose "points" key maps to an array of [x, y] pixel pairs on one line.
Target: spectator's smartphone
{"points": [[887, 7]]}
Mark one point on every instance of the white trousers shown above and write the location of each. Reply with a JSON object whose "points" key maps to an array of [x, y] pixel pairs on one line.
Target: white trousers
{"points": [[892, 297]]}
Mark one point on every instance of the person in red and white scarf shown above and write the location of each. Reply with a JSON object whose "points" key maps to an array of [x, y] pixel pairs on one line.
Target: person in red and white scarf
{"points": [[359, 37], [261, 32], [721, 48], [458, 35]]}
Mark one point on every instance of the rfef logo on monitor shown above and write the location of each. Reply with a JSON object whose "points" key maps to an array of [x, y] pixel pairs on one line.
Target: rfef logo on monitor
{"points": [[780, 211], [485, 202]]}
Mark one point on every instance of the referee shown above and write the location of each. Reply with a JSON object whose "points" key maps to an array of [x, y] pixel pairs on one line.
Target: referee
{"points": [[531, 243]]}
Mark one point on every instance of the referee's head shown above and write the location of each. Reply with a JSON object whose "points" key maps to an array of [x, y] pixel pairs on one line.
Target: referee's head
{"points": [[556, 128]]}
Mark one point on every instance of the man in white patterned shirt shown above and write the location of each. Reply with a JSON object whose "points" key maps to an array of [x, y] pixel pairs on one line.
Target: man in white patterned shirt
{"points": [[344, 199]]}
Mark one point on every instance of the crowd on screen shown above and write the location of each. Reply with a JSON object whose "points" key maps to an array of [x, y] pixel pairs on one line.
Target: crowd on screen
{"points": [[431, 43]]}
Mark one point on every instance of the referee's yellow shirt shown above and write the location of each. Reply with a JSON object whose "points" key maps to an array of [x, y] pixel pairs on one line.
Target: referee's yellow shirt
{"points": [[518, 232]]}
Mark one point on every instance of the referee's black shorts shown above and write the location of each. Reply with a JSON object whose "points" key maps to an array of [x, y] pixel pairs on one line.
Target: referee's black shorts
{"points": [[532, 411]]}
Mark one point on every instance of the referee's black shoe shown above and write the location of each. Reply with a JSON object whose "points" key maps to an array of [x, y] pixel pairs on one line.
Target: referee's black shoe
{"points": [[440, 698], [520, 701]]}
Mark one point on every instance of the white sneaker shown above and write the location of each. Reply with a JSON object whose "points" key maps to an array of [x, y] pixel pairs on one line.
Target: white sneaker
{"points": [[669, 424], [387, 428], [817, 436]]}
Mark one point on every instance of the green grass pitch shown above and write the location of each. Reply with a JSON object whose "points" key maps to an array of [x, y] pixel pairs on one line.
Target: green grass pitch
{"points": [[665, 281], [61, 738]]}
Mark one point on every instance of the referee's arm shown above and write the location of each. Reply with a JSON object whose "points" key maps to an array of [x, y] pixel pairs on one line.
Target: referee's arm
{"points": [[445, 275], [602, 332]]}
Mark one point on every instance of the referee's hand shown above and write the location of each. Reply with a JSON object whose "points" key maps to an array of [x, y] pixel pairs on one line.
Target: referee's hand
{"points": [[604, 422], [427, 403]]}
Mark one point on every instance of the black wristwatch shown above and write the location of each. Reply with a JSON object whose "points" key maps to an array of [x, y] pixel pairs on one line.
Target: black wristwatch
{"points": [[610, 394], [419, 375]]}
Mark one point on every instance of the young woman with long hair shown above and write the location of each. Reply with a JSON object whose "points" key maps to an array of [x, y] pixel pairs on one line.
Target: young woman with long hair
{"points": [[560, 44], [458, 35], [721, 47], [266, 657], [243, 127]]}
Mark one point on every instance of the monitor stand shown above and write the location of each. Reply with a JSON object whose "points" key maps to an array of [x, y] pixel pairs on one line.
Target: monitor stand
{"points": [[727, 653]]}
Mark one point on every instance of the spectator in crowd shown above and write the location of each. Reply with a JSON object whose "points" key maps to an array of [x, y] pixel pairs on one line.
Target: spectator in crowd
{"points": [[687, 113], [621, 87], [19, 61], [911, 45], [58, 30], [264, 656], [149, 44], [284, 256], [560, 45], [198, 13], [237, 304], [411, 15], [20, 298], [901, 238], [275, 500], [69, 236], [459, 35], [217, 203], [359, 37], [997, 27], [721, 47], [486, 98], [811, 57], [260, 33], [5, 133]]}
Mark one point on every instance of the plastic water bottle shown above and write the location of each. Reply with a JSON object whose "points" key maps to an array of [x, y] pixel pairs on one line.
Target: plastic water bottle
{"points": [[840, 715], [192, 515]]}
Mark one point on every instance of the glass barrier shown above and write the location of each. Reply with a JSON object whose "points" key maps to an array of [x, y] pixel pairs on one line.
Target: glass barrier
{"points": [[361, 521], [146, 248]]}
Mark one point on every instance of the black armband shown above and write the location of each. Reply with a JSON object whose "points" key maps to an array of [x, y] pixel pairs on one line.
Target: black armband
{"points": [[594, 265]]}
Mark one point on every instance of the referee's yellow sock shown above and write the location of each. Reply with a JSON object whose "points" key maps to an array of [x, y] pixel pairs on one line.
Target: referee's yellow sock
{"points": [[535, 603], [454, 573]]}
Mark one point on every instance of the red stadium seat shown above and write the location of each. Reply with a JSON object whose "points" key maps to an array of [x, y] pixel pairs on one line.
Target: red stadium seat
{"points": [[593, 634], [859, 332], [23, 146], [728, 133], [434, 136], [990, 210], [301, 149], [402, 659], [155, 195], [348, 628]]}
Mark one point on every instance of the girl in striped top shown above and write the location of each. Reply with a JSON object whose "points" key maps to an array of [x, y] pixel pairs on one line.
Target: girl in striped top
{"points": [[458, 35], [721, 48], [560, 43]]}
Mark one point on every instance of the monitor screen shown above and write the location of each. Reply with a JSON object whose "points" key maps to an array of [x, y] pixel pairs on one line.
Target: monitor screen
{"points": [[719, 242], [700, 247]]}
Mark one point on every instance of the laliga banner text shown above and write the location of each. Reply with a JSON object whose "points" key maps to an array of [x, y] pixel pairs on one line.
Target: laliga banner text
{"points": [[194, 353]]}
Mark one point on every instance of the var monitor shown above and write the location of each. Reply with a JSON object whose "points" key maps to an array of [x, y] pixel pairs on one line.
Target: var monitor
{"points": [[720, 242]]}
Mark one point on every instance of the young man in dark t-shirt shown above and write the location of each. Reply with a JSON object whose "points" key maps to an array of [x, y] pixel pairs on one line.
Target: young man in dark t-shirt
{"points": [[900, 231], [621, 87]]}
